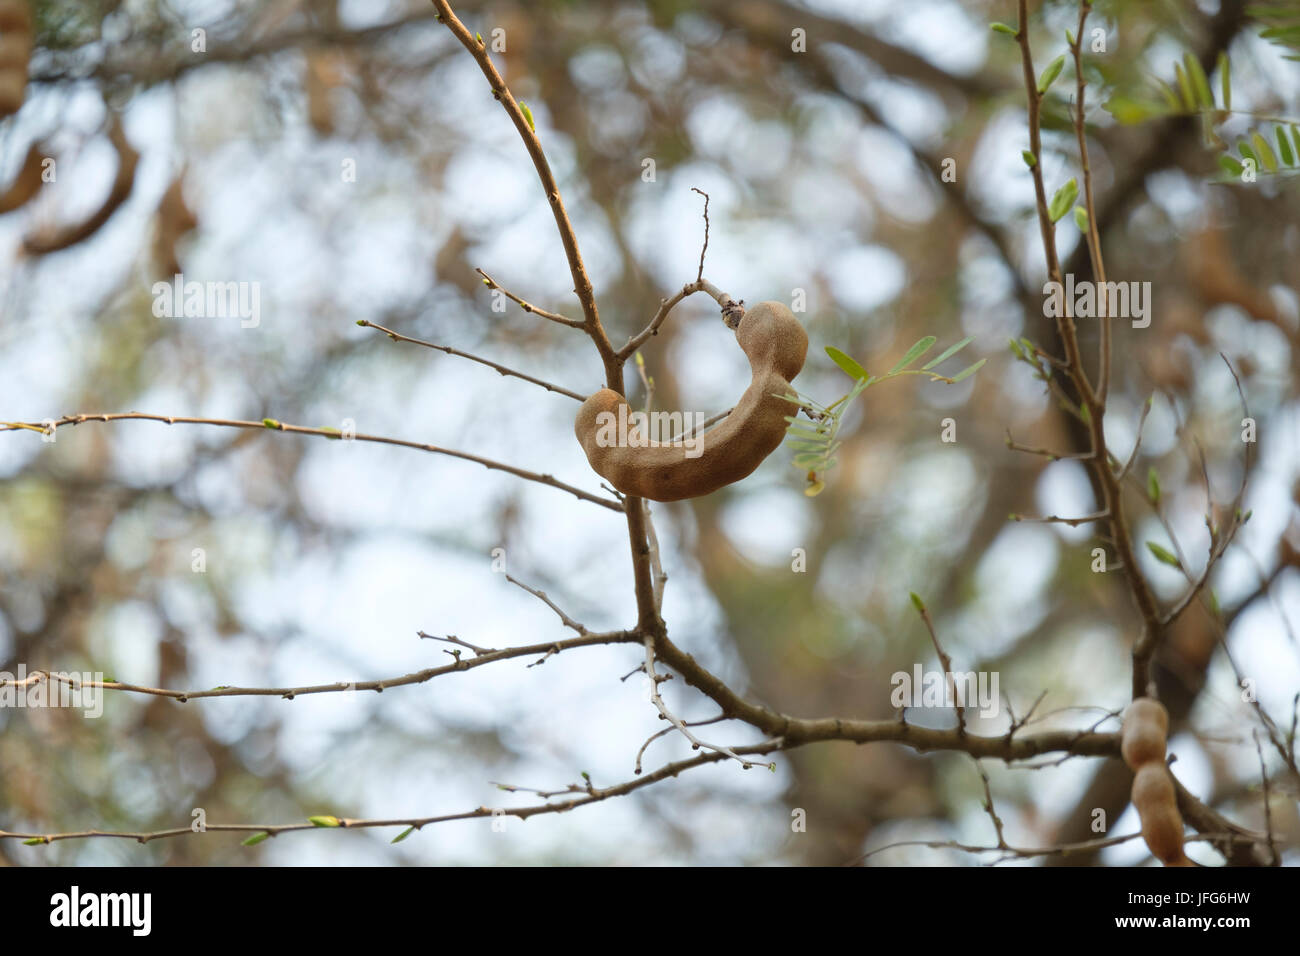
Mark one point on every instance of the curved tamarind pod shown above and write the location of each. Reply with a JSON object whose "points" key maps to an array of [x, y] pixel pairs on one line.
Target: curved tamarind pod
{"points": [[1157, 806], [776, 346]]}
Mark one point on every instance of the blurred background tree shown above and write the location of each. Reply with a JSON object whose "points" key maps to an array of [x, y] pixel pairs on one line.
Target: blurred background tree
{"points": [[216, 139]]}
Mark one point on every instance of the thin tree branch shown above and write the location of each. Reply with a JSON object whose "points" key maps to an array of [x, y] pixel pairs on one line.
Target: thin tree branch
{"points": [[332, 433], [491, 283], [502, 369]]}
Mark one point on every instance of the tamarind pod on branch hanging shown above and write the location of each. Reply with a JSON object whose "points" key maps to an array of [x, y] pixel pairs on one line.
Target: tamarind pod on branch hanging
{"points": [[776, 345]]}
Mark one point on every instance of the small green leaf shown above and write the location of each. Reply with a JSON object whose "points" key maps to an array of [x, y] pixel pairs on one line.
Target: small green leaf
{"points": [[270, 423], [528, 115], [801, 431], [1069, 37], [1153, 485], [1200, 84], [255, 839], [1163, 556], [1050, 74], [324, 821], [1081, 218], [948, 353], [1170, 96], [1016, 350], [34, 841], [478, 38], [1230, 165], [362, 322], [919, 348], [1003, 28], [403, 835], [1264, 151], [1030, 160], [849, 365], [1185, 88], [1063, 200], [917, 602], [1284, 147], [1225, 80], [809, 461], [968, 371], [1243, 147]]}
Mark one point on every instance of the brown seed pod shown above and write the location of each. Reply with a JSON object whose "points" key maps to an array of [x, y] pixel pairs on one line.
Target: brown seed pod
{"points": [[1157, 806], [1142, 740], [776, 345], [1150, 710], [1152, 785], [1162, 829]]}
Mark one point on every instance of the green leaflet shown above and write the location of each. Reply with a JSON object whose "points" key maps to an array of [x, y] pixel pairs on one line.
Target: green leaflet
{"points": [[1264, 152], [849, 365], [947, 353], [1185, 89], [968, 371], [1063, 200], [1200, 83], [1050, 74], [918, 349], [1284, 147], [1162, 555]]}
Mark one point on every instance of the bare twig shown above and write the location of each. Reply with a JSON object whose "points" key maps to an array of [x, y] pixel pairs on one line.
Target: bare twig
{"points": [[699, 274], [666, 714], [483, 656], [541, 596], [502, 369], [728, 305], [528, 306], [272, 424]]}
